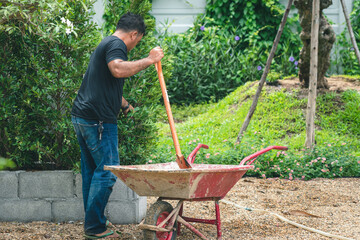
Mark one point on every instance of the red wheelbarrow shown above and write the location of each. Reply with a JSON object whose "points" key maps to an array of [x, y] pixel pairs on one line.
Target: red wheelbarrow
{"points": [[183, 181], [202, 182]]}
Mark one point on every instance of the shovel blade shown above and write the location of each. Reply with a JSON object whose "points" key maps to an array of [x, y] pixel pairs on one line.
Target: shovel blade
{"points": [[183, 164]]}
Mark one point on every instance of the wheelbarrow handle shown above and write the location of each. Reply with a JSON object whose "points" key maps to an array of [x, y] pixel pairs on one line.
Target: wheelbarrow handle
{"points": [[192, 155], [255, 155]]}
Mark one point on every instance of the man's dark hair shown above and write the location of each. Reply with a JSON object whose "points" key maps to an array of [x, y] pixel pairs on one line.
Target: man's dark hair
{"points": [[131, 22]]}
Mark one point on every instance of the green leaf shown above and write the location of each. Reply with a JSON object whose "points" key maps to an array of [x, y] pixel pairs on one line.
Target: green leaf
{"points": [[84, 6]]}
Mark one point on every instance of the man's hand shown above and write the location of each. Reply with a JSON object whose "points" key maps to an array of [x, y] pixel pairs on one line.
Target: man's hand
{"points": [[156, 54], [126, 107], [126, 111]]}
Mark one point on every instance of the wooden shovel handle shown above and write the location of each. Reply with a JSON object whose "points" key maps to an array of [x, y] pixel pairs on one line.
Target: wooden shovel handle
{"points": [[179, 157]]}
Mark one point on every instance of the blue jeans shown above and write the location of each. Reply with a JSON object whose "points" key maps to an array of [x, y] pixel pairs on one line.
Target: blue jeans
{"points": [[97, 183]]}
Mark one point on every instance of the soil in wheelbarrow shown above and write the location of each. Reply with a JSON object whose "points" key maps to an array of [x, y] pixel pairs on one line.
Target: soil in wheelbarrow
{"points": [[335, 201]]}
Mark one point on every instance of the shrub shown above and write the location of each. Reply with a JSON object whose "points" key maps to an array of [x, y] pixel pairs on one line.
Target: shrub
{"points": [[6, 164], [346, 61], [45, 49], [249, 17], [256, 24], [327, 161], [225, 49], [207, 65], [138, 131]]}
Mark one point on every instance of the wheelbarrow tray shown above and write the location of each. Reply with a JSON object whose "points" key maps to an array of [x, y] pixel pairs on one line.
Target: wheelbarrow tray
{"points": [[169, 181]]}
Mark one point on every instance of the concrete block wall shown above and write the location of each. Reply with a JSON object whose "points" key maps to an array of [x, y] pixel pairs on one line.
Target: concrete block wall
{"points": [[56, 196]]}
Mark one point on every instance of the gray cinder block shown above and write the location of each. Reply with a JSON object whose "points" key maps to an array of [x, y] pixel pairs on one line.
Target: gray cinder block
{"points": [[46, 184], [126, 211], [24, 210], [141, 209], [78, 186], [121, 212], [120, 191], [57, 196], [71, 209], [8, 184]]}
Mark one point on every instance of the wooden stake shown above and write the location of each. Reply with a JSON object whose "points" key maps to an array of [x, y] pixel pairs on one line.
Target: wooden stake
{"points": [[311, 106], [265, 73], [351, 32], [152, 228]]}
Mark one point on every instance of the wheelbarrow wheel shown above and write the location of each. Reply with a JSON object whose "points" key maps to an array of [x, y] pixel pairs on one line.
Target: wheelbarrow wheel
{"points": [[154, 216]]}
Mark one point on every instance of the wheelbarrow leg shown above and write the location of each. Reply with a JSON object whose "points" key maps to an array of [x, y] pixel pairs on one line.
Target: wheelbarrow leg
{"points": [[189, 226], [179, 224], [186, 224], [218, 221]]}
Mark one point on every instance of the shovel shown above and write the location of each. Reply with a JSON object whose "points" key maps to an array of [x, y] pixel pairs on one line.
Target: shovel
{"points": [[183, 164]]}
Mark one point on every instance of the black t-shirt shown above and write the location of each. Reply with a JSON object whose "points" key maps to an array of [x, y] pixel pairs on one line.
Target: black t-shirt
{"points": [[100, 94]]}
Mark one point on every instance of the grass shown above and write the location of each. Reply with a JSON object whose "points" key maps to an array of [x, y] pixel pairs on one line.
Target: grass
{"points": [[278, 120]]}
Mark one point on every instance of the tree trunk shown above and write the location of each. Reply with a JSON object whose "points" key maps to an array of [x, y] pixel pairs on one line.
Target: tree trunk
{"points": [[326, 40]]}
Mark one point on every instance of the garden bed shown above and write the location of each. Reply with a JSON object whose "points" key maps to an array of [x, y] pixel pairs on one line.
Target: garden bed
{"points": [[336, 201]]}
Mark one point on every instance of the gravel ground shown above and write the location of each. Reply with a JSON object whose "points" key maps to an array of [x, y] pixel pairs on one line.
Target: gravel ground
{"points": [[336, 202]]}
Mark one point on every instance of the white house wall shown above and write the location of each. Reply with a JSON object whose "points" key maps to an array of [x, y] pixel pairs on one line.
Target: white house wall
{"points": [[180, 14], [99, 8]]}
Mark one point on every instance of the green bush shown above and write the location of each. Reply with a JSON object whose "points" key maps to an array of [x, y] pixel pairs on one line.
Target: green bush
{"points": [[225, 49], [257, 16], [207, 65], [329, 160], [47, 46], [346, 61], [6, 164], [45, 49], [138, 132], [256, 24]]}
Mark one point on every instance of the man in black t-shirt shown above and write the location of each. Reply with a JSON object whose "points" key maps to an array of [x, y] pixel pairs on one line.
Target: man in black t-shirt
{"points": [[94, 115]]}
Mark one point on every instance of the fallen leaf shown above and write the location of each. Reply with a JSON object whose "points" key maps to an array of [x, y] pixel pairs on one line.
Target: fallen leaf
{"points": [[246, 180]]}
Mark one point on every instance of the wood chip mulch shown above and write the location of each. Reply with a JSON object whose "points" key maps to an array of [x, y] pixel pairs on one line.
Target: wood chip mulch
{"points": [[336, 202]]}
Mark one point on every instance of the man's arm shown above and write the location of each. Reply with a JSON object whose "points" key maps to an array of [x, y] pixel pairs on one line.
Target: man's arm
{"points": [[123, 69]]}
